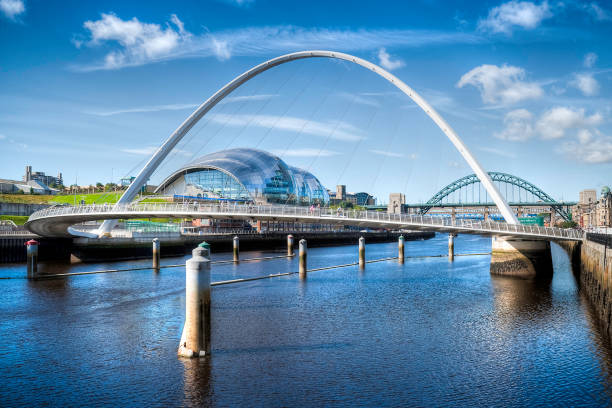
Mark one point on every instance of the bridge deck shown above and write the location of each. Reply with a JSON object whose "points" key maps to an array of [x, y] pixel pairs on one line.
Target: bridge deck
{"points": [[54, 221]]}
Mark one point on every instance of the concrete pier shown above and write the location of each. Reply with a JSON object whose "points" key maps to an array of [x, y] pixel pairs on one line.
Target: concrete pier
{"points": [[195, 340], [32, 258], [290, 245], [303, 258], [400, 249], [156, 254], [361, 252], [236, 249], [451, 246], [521, 258]]}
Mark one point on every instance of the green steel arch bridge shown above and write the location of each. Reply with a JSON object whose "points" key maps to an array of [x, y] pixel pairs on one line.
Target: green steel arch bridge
{"points": [[466, 192]]}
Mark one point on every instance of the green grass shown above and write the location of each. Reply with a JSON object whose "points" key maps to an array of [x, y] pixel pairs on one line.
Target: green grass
{"points": [[17, 219], [156, 200], [94, 198]]}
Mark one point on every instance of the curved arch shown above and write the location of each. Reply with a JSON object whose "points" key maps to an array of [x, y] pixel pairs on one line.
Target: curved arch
{"points": [[178, 134], [500, 177]]}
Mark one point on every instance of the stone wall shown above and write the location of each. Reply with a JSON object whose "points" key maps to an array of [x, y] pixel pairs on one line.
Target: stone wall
{"points": [[594, 272], [20, 208]]}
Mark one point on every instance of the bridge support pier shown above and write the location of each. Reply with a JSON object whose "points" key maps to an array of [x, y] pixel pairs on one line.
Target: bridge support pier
{"points": [[236, 249], [361, 252], [451, 246], [400, 249], [156, 254], [303, 258], [195, 340], [522, 258], [290, 245]]}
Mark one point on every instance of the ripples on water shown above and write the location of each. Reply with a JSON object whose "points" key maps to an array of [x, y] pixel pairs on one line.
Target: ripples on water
{"points": [[426, 333]]}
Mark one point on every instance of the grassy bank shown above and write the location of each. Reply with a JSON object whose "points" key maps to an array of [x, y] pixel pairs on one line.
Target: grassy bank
{"points": [[17, 219], [94, 198]]}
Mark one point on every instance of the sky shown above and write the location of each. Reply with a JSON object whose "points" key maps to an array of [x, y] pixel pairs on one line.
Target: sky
{"points": [[91, 89]]}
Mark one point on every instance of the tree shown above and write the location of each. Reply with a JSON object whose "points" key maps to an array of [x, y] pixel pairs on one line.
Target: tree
{"points": [[99, 186]]}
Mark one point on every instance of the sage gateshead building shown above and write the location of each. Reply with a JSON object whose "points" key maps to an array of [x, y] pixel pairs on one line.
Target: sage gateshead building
{"points": [[244, 175]]}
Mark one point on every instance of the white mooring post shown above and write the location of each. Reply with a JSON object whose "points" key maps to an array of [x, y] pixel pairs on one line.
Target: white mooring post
{"points": [[451, 246], [156, 254], [195, 340], [290, 245], [236, 249], [362, 252], [400, 249], [303, 258], [32, 255]]}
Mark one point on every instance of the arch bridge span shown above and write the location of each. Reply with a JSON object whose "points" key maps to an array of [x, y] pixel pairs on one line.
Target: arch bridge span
{"points": [[182, 130], [57, 221], [502, 178]]}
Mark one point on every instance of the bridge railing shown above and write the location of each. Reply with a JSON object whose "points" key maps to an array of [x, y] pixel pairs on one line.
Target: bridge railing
{"points": [[308, 214]]}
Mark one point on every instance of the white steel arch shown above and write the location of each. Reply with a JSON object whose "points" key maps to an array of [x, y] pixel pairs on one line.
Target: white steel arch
{"points": [[182, 130]]}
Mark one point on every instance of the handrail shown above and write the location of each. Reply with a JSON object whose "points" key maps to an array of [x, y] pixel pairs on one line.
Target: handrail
{"points": [[325, 215]]}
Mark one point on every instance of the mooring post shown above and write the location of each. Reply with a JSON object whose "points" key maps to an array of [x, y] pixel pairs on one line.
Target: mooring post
{"points": [[236, 249], [32, 255], [400, 249], [195, 340], [290, 245], [362, 252], [303, 258], [156, 254], [451, 246]]}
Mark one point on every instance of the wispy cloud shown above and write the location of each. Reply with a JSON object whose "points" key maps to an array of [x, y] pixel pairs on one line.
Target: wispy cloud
{"points": [[498, 152], [337, 130], [178, 106], [359, 99], [386, 153], [144, 109], [137, 43], [305, 152]]}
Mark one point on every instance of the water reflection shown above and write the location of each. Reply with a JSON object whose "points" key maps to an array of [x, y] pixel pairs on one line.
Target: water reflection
{"points": [[197, 381]]}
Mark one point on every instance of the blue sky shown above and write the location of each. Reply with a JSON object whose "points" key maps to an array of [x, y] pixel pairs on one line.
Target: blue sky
{"points": [[92, 88]]}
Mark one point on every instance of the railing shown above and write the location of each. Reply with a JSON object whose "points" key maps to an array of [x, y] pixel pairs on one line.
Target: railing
{"points": [[603, 239], [306, 214]]}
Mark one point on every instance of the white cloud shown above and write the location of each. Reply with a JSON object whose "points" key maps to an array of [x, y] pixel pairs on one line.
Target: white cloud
{"points": [[387, 62], [144, 109], [144, 151], [386, 153], [554, 122], [12, 8], [590, 59], [525, 14], [518, 126], [503, 84], [588, 148], [305, 152], [138, 43], [586, 84], [337, 130], [2, 136], [178, 106], [598, 12], [361, 100], [498, 152]]}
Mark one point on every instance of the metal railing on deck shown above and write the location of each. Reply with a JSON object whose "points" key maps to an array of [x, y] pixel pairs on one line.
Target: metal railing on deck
{"points": [[306, 214]]}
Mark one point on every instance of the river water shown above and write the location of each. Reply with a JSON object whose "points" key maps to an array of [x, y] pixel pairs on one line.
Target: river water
{"points": [[427, 333]]}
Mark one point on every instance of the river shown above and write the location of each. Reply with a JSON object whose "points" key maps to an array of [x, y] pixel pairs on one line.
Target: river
{"points": [[426, 333]]}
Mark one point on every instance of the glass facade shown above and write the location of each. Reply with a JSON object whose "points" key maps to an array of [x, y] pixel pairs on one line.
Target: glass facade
{"points": [[246, 175]]}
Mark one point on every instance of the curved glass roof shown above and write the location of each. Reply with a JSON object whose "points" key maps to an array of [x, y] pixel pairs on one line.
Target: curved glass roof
{"points": [[266, 177]]}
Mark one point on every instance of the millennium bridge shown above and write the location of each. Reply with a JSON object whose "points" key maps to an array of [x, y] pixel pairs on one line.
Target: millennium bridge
{"points": [[57, 221]]}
